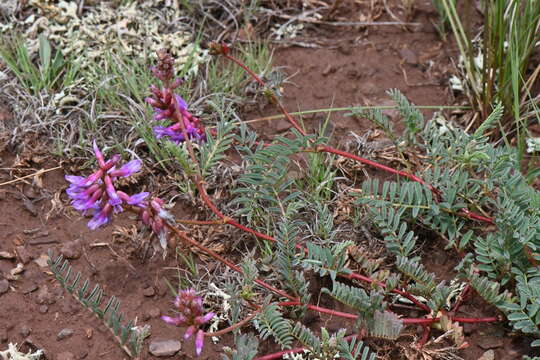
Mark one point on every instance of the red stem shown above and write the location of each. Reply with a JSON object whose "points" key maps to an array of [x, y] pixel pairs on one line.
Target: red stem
{"points": [[324, 148]]}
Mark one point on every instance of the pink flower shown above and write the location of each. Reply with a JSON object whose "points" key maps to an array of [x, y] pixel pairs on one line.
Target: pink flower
{"points": [[191, 314], [97, 192]]}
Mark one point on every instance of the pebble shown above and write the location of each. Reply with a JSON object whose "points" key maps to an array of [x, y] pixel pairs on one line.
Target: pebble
{"points": [[44, 296], [71, 250], [4, 286], [488, 355], [41, 261], [345, 50], [154, 312], [83, 354], [25, 330], [89, 332], [43, 309], [28, 288], [409, 56], [23, 254], [43, 241], [65, 356], [6, 255], [163, 348], [149, 291], [490, 342], [64, 333], [329, 70], [282, 125]]}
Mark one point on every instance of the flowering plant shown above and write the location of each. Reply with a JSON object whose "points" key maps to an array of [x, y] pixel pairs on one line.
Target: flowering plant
{"points": [[190, 314]]}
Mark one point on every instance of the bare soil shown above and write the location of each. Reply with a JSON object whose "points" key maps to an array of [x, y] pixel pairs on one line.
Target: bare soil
{"points": [[355, 66]]}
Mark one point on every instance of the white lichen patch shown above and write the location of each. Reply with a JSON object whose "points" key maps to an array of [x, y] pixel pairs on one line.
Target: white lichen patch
{"points": [[12, 353], [137, 29]]}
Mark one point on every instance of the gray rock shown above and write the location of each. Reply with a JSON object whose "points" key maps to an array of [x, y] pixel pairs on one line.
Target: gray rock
{"points": [[488, 355], [64, 333], [43, 309], [66, 355], [4, 286], [163, 348]]}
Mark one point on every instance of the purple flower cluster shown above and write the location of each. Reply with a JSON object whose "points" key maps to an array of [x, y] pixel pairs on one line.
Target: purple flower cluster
{"points": [[170, 106], [96, 193], [154, 216], [190, 314]]}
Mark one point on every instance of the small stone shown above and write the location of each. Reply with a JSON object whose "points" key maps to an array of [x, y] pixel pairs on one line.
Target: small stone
{"points": [[65, 356], [3, 335], [43, 241], [163, 348], [6, 255], [345, 50], [409, 56], [64, 333], [149, 291], [282, 125], [28, 288], [488, 355], [71, 250], [329, 70], [154, 312], [25, 330], [83, 354], [23, 254], [89, 332], [44, 296], [162, 287], [17, 270], [4, 286], [41, 261], [43, 309], [490, 342]]}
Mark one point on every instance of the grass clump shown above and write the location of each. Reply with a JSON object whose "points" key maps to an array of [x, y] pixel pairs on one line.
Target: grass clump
{"points": [[496, 64]]}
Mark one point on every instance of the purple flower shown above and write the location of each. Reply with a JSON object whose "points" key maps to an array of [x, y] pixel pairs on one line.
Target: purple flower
{"points": [[135, 200], [181, 102], [191, 315], [199, 342], [127, 170], [97, 192], [172, 107], [101, 217]]}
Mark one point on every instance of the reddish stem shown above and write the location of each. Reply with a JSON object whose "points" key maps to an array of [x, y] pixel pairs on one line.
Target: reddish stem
{"points": [[425, 336], [324, 148]]}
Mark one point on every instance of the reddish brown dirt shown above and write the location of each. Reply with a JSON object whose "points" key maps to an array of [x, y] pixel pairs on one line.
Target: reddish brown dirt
{"points": [[357, 67], [361, 65], [27, 319]]}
